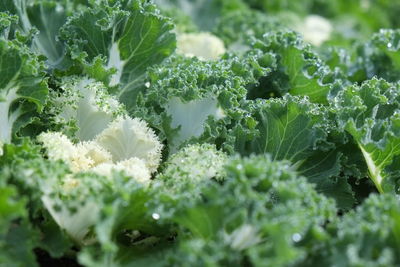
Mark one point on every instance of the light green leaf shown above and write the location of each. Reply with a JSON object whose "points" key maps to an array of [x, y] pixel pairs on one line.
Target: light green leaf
{"points": [[129, 41], [300, 71], [370, 113], [23, 89], [294, 129], [44, 18]]}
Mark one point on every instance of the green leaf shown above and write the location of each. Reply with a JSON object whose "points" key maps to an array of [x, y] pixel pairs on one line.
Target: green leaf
{"points": [[388, 42], [376, 57], [43, 18], [23, 89], [259, 214], [190, 100], [367, 236], [289, 128], [294, 129], [17, 239], [54, 240], [11, 207], [250, 23], [204, 13], [299, 70], [6, 22], [370, 113], [128, 40], [48, 17], [19, 244]]}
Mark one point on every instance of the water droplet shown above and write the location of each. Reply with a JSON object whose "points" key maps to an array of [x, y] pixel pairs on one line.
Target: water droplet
{"points": [[155, 216], [59, 8], [389, 45], [296, 237]]}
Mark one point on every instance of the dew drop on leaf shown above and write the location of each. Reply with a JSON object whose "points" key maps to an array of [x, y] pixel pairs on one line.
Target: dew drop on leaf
{"points": [[296, 237], [155, 216]]}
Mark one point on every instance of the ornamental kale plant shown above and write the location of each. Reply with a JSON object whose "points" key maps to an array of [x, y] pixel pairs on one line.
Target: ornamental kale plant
{"points": [[199, 133]]}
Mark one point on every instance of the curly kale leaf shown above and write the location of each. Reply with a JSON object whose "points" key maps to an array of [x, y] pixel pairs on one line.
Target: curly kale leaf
{"points": [[190, 100], [299, 70], [370, 113], [366, 236], [263, 212], [40, 21], [125, 41], [23, 89], [294, 129]]}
